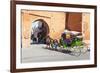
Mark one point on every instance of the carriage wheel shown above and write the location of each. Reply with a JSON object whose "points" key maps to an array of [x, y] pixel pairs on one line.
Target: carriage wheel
{"points": [[85, 49], [75, 51]]}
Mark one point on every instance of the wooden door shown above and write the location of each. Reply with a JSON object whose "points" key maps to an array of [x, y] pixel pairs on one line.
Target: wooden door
{"points": [[74, 21]]}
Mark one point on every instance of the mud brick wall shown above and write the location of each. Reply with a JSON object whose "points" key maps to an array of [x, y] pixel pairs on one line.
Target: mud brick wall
{"points": [[55, 21]]}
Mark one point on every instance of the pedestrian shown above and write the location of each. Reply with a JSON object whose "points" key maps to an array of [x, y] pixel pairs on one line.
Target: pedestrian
{"points": [[48, 41], [55, 44]]}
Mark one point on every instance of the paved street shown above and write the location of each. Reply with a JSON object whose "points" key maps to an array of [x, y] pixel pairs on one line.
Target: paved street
{"points": [[39, 54]]}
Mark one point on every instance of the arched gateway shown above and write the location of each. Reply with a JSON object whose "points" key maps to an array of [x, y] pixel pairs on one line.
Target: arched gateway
{"points": [[40, 30]]}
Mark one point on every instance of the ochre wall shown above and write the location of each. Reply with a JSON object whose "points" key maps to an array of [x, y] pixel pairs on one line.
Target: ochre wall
{"points": [[86, 27], [55, 21]]}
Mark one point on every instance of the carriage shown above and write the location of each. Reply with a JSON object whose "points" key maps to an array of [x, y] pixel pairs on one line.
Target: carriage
{"points": [[71, 43]]}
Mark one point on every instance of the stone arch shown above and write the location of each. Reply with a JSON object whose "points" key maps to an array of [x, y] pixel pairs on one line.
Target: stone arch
{"points": [[44, 30], [45, 24]]}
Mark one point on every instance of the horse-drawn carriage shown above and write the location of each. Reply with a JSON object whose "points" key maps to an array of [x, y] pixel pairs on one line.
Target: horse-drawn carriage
{"points": [[70, 42]]}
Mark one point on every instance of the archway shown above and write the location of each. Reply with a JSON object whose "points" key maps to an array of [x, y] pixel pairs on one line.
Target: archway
{"points": [[40, 30]]}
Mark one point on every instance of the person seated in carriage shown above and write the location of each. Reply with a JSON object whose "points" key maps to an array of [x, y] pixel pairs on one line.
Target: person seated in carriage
{"points": [[67, 38]]}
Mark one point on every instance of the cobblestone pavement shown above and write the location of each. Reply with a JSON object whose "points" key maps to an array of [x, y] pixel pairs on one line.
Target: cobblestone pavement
{"points": [[36, 53]]}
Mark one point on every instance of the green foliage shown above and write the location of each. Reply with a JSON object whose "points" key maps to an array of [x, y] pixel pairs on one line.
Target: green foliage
{"points": [[76, 42], [62, 43]]}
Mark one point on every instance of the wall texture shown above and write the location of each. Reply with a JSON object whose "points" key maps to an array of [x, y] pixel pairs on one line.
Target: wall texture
{"points": [[55, 21], [86, 27]]}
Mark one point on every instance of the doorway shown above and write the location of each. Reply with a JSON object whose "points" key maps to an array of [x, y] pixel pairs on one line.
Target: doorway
{"points": [[40, 30], [74, 21]]}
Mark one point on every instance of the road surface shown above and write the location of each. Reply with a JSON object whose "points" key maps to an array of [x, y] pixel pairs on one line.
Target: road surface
{"points": [[36, 53]]}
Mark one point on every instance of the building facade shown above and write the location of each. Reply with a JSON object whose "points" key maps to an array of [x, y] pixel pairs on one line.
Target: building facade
{"points": [[55, 23]]}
